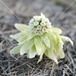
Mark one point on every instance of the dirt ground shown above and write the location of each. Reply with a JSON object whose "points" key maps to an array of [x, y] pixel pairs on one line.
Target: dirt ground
{"points": [[62, 14]]}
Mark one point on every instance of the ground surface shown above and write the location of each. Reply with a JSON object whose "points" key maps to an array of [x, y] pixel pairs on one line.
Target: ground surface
{"points": [[21, 11]]}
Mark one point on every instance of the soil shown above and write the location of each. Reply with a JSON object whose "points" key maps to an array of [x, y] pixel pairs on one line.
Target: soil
{"points": [[62, 14]]}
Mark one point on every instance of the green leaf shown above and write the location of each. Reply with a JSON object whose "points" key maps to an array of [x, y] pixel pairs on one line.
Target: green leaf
{"points": [[57, 30], [16, 36], [26, 47], [59, 50], [21, 27], [32, 52], [40, 47], [58, 47], [56, 44], [64, 38], [16, 49], [49, 53], [52, 39], [46, 40], [20, 37], [61, 53]]}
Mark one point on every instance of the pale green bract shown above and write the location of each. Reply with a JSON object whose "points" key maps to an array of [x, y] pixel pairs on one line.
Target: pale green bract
{"points": [[39, 38]]}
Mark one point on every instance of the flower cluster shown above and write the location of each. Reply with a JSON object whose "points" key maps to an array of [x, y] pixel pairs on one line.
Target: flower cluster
{"points": [[39, 24], [39, 38]]}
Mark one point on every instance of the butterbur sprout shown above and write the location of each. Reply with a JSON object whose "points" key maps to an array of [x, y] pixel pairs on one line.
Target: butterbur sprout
{"points": [[39, 38]]}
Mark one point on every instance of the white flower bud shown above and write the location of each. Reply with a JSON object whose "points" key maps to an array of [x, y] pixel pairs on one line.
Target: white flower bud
{"points": [[36, 23]]}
